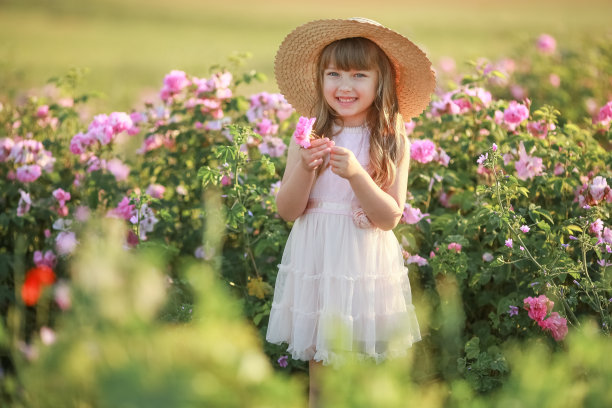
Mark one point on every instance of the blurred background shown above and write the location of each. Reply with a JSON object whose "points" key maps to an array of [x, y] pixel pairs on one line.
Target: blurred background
{"points": [[130, 45]]}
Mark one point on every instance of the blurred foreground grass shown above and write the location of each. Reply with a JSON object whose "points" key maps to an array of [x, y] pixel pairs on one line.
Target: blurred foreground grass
{"points": [[111, 351], [130, 45]]}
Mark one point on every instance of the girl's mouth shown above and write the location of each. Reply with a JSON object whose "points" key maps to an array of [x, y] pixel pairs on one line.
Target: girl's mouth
{"points": [[346, 100]]}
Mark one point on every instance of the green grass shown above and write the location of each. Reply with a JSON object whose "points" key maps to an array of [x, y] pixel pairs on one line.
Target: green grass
{"points": [[130, 45]]}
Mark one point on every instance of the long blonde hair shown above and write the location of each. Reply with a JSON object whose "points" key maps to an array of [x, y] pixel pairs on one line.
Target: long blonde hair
{"points": [[387, 131]]}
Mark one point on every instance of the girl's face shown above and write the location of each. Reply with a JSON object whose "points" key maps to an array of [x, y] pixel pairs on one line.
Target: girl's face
{"points": [[350, 93]]}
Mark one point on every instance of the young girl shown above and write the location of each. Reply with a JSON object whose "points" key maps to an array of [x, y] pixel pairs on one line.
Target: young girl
{"points": [[342, 284]]}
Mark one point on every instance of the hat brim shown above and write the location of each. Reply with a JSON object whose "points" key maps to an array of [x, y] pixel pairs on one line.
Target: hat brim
{"points": [[295, 65]]}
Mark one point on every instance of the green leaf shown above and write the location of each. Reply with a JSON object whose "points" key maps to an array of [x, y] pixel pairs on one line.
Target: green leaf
{"points": [[472, 348], [543, 226]]}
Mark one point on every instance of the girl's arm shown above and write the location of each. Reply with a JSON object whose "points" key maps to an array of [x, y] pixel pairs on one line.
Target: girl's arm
{"points": [[383, 208], [299, 176]]}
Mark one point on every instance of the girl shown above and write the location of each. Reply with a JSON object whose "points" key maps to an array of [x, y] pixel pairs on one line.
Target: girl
{"points": [[342, 285]]}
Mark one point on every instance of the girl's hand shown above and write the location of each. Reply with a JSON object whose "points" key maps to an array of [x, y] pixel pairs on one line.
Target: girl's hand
{"points": [[344, 163], [314, 156]]}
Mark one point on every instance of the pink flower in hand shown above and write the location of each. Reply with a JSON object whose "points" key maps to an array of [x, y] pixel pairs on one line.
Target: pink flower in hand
{"points": [[557, 326], [303, 130]]}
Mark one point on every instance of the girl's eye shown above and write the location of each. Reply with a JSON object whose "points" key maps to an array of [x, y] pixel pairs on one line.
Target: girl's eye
{"points": [[332, 73], [360, 75]]}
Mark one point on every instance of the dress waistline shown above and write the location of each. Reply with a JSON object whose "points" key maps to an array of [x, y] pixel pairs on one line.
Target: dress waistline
{"points": [[330, 207]]}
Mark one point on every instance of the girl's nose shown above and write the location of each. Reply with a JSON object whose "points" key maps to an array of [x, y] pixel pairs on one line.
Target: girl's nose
{"points": [[345, 85]]}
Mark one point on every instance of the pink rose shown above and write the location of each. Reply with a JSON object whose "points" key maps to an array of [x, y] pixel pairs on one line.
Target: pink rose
{"points": [[527, 166], [175, 81], [423, 151], [156, 190], [515, 113], [598, 188], [412, 215], [303, 130], [28, 174], [24, 204], [607, 235], [453, 246], [556, 325], [538, 308], [419, 260], [66, 242], [48, 258], [118, 169], [596, 227], [605, 114], [42, 111], [546, 44], [61, 196], [554, 80]]}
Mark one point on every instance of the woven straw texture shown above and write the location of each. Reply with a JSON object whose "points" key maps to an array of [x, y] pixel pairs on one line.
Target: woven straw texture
{"points": [[296, 62]]}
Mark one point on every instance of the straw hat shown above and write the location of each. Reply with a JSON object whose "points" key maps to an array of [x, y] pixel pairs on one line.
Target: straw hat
{"points": [[295, 65]]}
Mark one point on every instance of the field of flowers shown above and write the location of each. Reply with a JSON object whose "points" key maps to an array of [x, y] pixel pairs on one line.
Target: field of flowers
{"points": [[139, 249]]}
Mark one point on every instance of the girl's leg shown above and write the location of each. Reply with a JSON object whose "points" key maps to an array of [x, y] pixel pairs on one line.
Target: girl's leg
{"points": [[314, 372]]}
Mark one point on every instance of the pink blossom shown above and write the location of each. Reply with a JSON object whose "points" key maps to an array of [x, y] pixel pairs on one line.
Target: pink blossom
{"points": [[482, 158], [28, 174], [442, 157], [6, 145], [540, 128], [272, 146], [554, 80], [447, 64], [42, 111], [124, 209], [518, 92], [47, 336], [61, 196], [266, 127], [66, 242], [409, 127], [527, 166], [156, 190], [118, 169], [62, 295], [559, 169], [48, 258], [487, 257], [514, 114], [303, 131], [596, 227], [598, 188], [82, 213], [607, 235], [174, 82], [417, 260], [423, 151], [546, 44], [605, 114], [494, 147], [524, 229], [508, 243], [24, 204], [120, 122], [454, 246], [556, 325], [538, 308], [412, 215]]}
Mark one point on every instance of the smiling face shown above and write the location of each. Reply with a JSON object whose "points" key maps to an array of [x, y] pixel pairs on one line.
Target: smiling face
{"points": [[350, 93]]}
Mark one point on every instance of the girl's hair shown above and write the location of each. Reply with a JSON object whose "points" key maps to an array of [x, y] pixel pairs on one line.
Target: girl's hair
{"points": [[387, 131]]}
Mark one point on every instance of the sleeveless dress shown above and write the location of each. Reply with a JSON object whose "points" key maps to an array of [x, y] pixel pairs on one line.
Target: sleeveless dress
{"points": [[341, 287]]}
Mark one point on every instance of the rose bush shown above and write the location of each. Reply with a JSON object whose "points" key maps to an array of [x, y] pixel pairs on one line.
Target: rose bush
{"points": [[509, 199]]}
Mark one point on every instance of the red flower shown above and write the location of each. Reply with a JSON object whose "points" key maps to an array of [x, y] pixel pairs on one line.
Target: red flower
{"points": [[36, 279]]}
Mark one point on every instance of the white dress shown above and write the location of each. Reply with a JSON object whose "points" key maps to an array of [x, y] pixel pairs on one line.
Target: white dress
{"points": [[341, 287]]}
